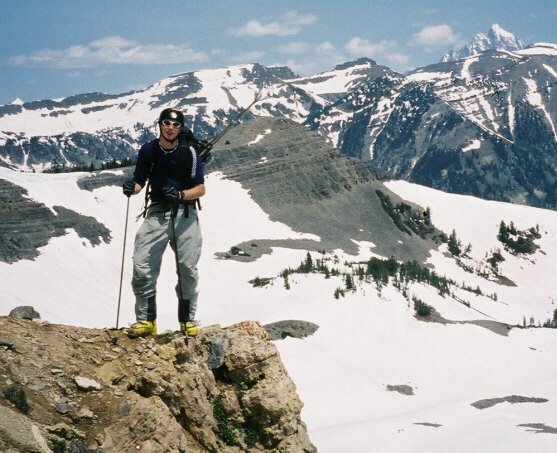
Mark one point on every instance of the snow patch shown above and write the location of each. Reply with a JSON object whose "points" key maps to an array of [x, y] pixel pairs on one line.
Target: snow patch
{"points": [[260, 137], [332, 81], [535, 99], [474, 144], [428, 76], [511, 113], [465, 71], [540, 48], [550, 70], [347, 407]]}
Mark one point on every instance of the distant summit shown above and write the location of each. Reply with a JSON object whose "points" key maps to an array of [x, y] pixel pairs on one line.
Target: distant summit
{"points": [[358, 62], [496, 38]]}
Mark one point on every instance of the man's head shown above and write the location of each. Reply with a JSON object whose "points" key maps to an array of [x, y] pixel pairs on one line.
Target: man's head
{"points": [[171, 122]]}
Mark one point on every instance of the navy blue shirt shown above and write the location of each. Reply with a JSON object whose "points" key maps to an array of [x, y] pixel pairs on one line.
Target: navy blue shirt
{"points": [[181, 168]]}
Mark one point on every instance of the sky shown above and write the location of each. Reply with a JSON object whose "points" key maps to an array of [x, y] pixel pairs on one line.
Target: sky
{"points": [[61, 48]]}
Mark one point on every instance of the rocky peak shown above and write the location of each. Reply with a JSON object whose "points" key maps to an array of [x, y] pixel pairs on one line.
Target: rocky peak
{"points": [[68, 389], [359, 62], [282, 72], [497, 38]]}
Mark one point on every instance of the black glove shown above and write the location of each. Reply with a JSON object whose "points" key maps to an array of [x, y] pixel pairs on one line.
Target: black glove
{"points": [[171, 194], [128, 187]]}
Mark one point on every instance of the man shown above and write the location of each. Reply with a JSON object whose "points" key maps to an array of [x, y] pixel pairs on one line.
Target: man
{"points": [[176, 180]]}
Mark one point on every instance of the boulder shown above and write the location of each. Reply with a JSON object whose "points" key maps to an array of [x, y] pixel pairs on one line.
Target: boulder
{"points": [[24, 312]]}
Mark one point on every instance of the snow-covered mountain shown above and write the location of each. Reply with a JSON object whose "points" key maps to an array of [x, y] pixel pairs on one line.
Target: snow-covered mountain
{"points": [[95, 127], [496, 38], [483, 125], [476, 375]]}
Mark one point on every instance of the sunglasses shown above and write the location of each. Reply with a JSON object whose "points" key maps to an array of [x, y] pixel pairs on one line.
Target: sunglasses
{"points": [[174, 124]]}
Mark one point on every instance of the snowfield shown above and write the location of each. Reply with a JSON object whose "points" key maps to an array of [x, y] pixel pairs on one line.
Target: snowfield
{"points": [[373, 377]]}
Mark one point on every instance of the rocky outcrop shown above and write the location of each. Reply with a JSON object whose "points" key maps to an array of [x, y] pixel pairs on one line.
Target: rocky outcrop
{"points": [[28, 225], [300, 180], [94, 180], [290, 328], [25, 312], [95, 390]]}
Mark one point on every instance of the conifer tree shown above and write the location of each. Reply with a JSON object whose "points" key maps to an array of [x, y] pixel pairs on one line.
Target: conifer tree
{"points": [[349, 282], [454, 244], [503, 235], [308, 265]]}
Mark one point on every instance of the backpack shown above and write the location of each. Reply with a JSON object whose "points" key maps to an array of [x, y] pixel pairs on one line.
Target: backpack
{"points": [[203, 147], [186, 141]]}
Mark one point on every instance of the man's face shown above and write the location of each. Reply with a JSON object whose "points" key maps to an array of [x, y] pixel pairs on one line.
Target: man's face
{"points": [[170, 129]]}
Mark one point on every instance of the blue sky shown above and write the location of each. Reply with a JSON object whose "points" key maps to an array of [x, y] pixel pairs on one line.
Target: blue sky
{"points": [[58, 48]]}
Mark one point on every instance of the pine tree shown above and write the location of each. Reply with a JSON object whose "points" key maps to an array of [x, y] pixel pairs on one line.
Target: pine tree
{"points": [[308, 265], [427, 216], [454, 244], [349, 282], [503, 235]]}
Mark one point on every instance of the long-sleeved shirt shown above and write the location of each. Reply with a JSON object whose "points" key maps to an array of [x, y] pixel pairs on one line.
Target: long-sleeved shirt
{"points": [[181, 168]]}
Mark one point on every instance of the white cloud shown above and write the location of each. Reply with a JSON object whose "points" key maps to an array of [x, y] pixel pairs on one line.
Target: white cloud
{"points": [[324, 57], [254, 56], [434, 36], [304, 68], [112, 50], [328, 52], [399, 60], [326, 47], [112, 41], [328, 55], [290, 24], [384, 51], [294, 48], [363, 47]]}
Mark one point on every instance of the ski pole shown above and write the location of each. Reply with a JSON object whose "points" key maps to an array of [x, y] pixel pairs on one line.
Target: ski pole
{"points": [[209, 144], [123, 256], [256, 99]]}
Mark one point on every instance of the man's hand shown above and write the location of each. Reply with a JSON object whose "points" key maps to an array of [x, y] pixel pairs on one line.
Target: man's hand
{"points": [[128, 187], [171, 194]]}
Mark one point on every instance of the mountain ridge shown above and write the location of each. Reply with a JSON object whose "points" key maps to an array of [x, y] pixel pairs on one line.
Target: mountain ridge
{"points": [[452, 125]]}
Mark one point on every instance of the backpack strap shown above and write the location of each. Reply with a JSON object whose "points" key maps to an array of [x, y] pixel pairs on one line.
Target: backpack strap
{"points": [[152, 163], [188, 149], [187, 161]]}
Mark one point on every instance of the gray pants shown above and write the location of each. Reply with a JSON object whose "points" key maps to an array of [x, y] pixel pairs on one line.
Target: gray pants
{"points": [[151, 240]]}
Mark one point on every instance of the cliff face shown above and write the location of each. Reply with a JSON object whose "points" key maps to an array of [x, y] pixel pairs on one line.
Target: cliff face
{"points": [[69, 389], [27, 225]]}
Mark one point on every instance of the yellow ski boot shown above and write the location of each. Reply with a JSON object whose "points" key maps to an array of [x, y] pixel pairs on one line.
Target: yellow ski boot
{"points": [[189, 328], [142, 329]]}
